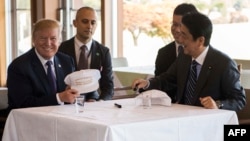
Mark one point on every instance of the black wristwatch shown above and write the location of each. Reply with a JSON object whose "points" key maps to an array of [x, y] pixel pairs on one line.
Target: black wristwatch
{"points": [[219, 104]]}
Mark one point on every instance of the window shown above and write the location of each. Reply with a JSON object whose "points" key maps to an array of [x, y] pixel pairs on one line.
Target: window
{"points": [[21, 27], [144, 32], [76, 4], [140, 45], [19, 33]]}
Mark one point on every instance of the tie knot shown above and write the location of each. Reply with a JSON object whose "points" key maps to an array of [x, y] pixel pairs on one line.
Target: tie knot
{"points": [[194, 63], [49, 63], [180, 49], [83, 47]]}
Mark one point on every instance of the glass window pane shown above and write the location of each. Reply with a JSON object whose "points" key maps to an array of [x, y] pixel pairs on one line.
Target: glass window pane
{"points": [[23, 4], [23, 26], [23, 31], [146, 25], [96, 4]]}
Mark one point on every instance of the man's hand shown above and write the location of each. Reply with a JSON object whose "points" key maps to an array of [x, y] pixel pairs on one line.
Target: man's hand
{"points": [[69, 95], [139, 83], [208, 102]]}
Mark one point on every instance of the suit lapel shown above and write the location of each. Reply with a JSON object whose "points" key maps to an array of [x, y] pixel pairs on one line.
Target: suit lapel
{"points": [[71, 50], [59, 73], [205, 72], [95, 56], [39, 71], [173, 50], [203, 77], [183, 70]]}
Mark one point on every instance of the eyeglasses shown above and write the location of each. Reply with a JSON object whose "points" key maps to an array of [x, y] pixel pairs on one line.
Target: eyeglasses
{"points": [[174, 24]]}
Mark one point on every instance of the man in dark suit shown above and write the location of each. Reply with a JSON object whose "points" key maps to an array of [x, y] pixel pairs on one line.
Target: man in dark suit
{"points": [[98, 55], [167, 54], [27, 81], [218, 79]]}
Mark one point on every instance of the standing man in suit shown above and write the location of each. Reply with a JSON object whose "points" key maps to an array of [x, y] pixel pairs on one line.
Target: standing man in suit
{"points": [[98, 55], [167, 54], [27, 81], [217, 77]]}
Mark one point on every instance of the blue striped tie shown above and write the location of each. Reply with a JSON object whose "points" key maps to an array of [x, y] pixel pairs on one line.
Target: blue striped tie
{"points": [[191, 84]]}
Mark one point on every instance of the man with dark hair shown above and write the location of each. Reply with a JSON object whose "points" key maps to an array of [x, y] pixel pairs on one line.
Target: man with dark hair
{"points": [[97, 56], [167, 54], [203, 75]]}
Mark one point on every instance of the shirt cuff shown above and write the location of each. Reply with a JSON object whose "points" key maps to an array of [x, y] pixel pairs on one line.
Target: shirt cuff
{"points": [[58, 100], [147, 85]]}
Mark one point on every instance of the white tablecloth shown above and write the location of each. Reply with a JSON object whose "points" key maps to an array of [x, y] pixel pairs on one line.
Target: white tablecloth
{"points": [[102, 121]]}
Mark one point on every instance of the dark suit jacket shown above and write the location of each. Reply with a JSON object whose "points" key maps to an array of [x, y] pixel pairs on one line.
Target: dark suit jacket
{"points": [[100, 60], [165, 57], [219, 78], [27, 81]]}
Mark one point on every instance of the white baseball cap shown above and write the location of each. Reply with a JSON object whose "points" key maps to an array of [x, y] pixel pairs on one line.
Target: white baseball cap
{"points": [[157, 97], [83, 81]]}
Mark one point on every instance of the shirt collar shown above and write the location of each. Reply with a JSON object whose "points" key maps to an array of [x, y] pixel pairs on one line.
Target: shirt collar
{"points": [[44, 61], [177, 45], [79, 43], [200, 59]]}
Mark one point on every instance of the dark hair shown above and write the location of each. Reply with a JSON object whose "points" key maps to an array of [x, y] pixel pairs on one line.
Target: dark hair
{"points": [[184, 8], [198, 25]]}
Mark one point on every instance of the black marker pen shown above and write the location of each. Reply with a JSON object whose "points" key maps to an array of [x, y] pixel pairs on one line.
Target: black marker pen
{"points": [[118, 105]]}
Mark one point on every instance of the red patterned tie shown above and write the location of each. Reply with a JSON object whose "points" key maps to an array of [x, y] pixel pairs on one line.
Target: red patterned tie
{"points": [[83, 59]]}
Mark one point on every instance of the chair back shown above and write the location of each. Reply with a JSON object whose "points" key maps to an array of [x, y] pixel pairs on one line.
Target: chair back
{"points": [[239, 66], [3, 97], [245, 63], [3, 108], [244, 114], [119, 62]]}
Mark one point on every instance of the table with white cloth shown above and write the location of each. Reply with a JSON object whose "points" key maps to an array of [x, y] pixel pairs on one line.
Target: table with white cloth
{"points": [[102, 121]]}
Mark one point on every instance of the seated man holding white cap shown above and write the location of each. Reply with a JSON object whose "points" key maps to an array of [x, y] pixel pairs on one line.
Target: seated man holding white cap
{"points": [[84, 81], [36, 77]]}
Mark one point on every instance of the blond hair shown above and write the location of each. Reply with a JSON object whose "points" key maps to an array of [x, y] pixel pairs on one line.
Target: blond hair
{"points": [[45, 24]]}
